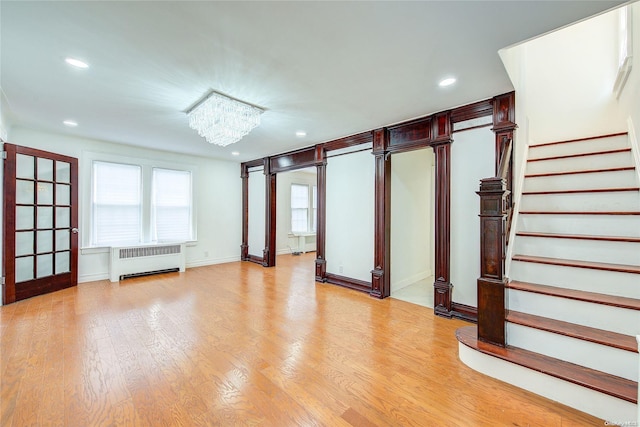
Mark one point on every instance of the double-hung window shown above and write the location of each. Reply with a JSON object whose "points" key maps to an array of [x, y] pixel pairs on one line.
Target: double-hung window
{"points": [[304, 211], [171, 205], [116, 204], [140, 203], [299, 208]]}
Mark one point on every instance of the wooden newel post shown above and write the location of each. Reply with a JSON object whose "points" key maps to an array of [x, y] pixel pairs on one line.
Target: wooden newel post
{"points": [[491, 283]]}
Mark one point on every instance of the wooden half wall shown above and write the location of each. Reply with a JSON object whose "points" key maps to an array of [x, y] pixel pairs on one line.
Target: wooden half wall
{"points": [[433, 131]]}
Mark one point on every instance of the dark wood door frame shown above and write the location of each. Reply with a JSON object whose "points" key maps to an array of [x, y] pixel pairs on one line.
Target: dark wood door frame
{"points": [[244, 247], [433, 131], [13, 292]]}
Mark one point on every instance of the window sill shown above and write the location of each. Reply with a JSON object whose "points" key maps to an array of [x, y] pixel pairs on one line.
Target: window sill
{"points": [[91, 250]]}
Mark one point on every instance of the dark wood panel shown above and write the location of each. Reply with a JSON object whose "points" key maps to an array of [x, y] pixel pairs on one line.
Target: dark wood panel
{"points": [[349, 141], [348, 282], [255, 258], [472, 111], [380, 275], [253, 163], [442, 285], [8, 232], [44, 285], [464, 312], [581, 332], [321, 226], [244, 246], [414, 134], [579, 139], [504, 112], [270, 218], [592, 297], [585, 377], [298, 159]]}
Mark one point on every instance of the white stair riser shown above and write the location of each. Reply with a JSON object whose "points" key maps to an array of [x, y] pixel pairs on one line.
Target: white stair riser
{"points": [[582, 279], [582, 250], [589, 146], [582, 398], [595, 356], [615, 160], [582, 181], [599, 225], [582, 202], [615, 319]]}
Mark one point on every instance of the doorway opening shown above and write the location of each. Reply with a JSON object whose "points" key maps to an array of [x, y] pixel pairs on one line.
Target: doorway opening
{"points": [[413, 226], [296, 214]]}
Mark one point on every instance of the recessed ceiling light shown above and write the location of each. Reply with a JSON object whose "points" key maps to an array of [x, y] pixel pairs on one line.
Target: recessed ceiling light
{"points": [[70, 123], [76, 63], [447, 82], [235, 153], [301, 134]]}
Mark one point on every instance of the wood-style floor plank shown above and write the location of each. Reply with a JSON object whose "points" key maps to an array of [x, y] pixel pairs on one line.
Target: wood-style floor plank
{"points": [[239, 344]]}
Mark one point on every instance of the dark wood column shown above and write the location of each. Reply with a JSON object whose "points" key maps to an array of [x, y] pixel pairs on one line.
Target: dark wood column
{"points": [[503, 126], [321, 219], [269, 253], [442, 148], [492, 282], [380, 275], [244, 247]]}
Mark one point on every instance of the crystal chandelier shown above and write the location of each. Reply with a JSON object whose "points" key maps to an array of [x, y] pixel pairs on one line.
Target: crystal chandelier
{"points": [[222, 120]]}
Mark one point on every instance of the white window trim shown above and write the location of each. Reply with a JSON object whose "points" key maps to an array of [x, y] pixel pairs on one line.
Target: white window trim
{"points": [[85, 188]]}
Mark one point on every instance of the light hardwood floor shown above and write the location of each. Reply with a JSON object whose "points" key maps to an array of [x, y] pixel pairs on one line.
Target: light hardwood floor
{"points": [[238, 344]]}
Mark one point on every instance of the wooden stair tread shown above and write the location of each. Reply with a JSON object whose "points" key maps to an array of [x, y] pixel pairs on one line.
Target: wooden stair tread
{"points": [[595, 190], [589, 138], [592, 297], [612, 385], [579, 213], [579, 237], [585, 333], [635, 269], [540, 175], [591, 153]]}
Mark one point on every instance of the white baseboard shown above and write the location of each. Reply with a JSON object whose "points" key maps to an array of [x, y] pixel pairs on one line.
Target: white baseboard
{"points": [[396, 286], [93, 277], [205, 262]]}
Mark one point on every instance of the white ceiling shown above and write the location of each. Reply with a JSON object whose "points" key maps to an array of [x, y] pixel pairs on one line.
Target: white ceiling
{"points": [[329, 68]]}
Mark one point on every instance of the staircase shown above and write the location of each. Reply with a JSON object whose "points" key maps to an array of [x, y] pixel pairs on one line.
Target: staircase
{"points": [[573, 300]]}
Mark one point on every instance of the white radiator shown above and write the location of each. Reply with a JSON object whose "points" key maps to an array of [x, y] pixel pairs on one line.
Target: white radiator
{"points": [[131, 261]]}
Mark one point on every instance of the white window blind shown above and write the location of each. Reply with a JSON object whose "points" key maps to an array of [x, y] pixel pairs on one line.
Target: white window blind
{"points": [[299, 208], [171, 205], [116, 204]]}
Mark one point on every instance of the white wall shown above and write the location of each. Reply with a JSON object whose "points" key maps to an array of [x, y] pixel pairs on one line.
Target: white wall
{"points": [[285, 242], [350, 215], [472, 159], [257, 211], [412, 194], [564, 87], [569, 79], [628, 102], [217, 198]]}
